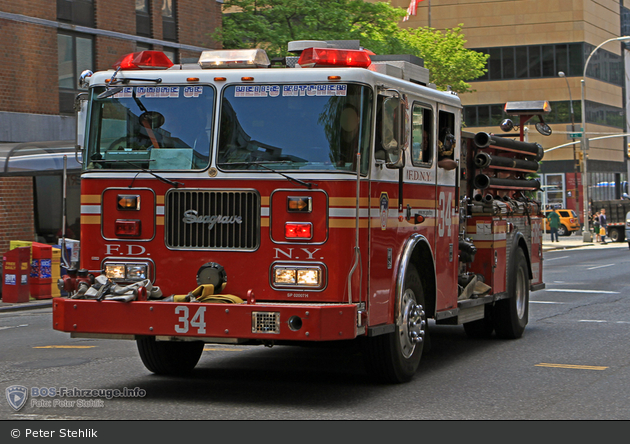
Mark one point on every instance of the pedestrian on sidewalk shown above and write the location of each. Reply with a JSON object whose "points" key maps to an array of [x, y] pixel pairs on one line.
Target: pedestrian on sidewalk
{"points": [[596, 227], [554, 224], [603, 226]]}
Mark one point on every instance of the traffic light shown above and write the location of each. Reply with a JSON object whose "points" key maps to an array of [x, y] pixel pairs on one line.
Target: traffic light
{"points": [[629, 150]]}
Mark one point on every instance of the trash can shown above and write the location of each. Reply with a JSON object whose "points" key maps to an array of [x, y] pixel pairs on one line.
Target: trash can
{"points": [[16, 268], [41, 271]]}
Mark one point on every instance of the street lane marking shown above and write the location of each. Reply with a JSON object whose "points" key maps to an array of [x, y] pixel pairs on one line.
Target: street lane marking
{"points": [[13, 326], [66, 346], [554, 258], [579, 367], [546, 302], [604, 322], [600, 266], [561, 290]]}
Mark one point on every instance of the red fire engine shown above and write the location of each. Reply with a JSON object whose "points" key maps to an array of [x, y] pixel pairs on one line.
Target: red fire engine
{"points": [[333, 198]]}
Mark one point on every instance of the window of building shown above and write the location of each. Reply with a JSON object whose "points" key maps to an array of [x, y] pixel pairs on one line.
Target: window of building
{"points": [[536, 61], [169, 20], [143, 18], [75, 54], [492, 115], [171, 53], [78, 12]]}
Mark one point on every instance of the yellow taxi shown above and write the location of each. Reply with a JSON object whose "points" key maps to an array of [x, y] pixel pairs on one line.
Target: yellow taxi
{"points": [[569, 221]]}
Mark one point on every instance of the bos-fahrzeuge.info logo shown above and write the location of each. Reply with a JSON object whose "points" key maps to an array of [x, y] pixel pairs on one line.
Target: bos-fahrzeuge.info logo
{"points": [[17, 395]]}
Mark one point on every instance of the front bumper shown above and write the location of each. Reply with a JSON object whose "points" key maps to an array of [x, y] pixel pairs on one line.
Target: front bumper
{"points": [[209, 322]]}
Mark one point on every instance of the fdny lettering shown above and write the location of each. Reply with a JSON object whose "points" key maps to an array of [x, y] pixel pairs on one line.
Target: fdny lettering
{"points": [[120, 250], [314, 90], [289, 254], [257, 91], [419, 176], [192, 217]]}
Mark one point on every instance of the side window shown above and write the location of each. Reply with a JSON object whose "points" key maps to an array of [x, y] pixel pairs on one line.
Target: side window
{"points": [[421, 146], [564, 213], [446, 138]]}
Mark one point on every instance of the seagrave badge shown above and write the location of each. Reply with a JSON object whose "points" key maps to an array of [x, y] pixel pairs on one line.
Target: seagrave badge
{"points": [[17, 396]]}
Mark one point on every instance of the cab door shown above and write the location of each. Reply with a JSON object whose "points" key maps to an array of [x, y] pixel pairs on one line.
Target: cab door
{"points": [[447, 207]]}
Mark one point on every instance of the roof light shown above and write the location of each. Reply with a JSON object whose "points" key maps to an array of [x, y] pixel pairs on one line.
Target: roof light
{"points": [[144, 60], [314, 57], [234, 58]]}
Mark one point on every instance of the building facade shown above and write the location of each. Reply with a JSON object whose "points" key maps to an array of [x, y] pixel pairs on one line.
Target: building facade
{"points": [[530, 43], [45, 47]]}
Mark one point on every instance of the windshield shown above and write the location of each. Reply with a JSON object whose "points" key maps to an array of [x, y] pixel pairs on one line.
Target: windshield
{"points": [[295, 127], [156, 128]]}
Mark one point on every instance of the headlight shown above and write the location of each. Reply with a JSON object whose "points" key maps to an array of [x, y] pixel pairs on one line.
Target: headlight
{"points": [[126, 272], [293, 276]]}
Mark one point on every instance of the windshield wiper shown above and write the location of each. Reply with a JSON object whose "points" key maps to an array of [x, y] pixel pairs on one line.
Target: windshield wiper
{"points": [[262, 164], [162, 179]]}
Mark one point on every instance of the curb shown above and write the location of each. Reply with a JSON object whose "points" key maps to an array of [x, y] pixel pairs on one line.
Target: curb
{"points": [[25, 306]]}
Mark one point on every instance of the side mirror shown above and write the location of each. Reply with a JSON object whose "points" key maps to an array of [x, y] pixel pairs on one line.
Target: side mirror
{"points": [[80, 108]]}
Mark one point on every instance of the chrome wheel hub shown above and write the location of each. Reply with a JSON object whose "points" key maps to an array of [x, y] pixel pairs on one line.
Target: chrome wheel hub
{"points": [[411, 324]]}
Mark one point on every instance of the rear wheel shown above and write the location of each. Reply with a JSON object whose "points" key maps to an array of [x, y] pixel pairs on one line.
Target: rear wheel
{"points": [[614, 235], [511, 314], [562, 231], [395, 357], [169, 358]]}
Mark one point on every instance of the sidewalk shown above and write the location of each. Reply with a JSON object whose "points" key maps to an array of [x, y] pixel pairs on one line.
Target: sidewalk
{"points": [[577, 241], [30, 305]]}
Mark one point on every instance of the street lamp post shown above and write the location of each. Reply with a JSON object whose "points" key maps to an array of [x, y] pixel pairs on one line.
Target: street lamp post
{"points": [[575, 162], [587, 233]]}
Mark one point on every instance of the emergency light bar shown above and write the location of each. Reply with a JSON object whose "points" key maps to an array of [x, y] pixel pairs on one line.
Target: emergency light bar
{"points": [[143, 60], [234, 58], [315, 57]]}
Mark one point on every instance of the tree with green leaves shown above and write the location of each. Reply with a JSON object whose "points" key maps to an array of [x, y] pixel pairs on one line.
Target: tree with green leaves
{"points": [[271, 24]]}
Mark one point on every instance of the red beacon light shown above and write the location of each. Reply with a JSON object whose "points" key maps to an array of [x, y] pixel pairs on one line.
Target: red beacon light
{"points": [[350, 58], [144, 60]]}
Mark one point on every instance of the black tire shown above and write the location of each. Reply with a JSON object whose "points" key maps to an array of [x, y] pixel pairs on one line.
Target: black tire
{"points": [[169, 358], [614, 235], [395, 357], [481, 328], [562, 231], [511, 315]]}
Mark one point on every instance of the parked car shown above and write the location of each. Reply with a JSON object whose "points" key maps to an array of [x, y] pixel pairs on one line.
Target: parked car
{"points": [[569, 221], [628, 228]]}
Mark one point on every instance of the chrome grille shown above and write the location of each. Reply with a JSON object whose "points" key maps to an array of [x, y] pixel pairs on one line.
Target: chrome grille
{"points": [[265, 322], [212, 219]]}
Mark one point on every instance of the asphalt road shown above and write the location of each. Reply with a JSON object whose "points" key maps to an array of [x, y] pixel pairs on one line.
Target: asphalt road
{"points": [[571, 364]]}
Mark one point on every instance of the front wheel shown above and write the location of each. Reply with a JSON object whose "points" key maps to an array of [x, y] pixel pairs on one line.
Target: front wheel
{"points": [[169, 358], [395, 357], [511, 314]]}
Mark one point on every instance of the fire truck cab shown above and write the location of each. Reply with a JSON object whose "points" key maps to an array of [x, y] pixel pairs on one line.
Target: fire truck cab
{"points": [[333, 198]]}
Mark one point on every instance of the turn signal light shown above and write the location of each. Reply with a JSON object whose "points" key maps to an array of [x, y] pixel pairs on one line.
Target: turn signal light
{"points": [[126, 202], [127, 228], [299, 230], [299, 204]]}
